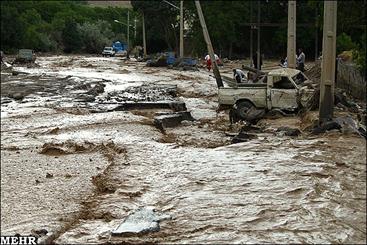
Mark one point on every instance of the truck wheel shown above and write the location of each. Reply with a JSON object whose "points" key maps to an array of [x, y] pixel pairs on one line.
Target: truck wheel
{"points": [[242, 109]]}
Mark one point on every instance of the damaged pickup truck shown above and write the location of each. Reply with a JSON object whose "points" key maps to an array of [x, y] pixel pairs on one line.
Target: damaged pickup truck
{"points": [[284, 89]]}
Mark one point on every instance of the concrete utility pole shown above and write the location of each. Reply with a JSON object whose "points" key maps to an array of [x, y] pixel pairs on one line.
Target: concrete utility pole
{"points": [[128, 37], [144, 40], [218, 78], [316, 35], [181, 30], [251, 35], [328, 62], [258, 35], [128, 29], [291, 47], [135, 29]]}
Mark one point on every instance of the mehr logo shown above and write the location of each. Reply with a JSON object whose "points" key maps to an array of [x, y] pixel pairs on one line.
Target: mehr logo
{"points": [[18, 240]]}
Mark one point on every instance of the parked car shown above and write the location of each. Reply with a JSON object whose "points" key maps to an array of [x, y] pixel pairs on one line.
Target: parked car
{"points": [[108, 51], [121, 53], [25, 56]]}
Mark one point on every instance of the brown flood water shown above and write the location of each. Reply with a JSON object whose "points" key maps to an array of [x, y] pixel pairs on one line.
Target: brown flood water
{"points": [[79, 174]]}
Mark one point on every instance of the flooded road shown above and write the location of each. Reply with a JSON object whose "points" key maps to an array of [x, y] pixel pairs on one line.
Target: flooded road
{"points": [[80, 174]]}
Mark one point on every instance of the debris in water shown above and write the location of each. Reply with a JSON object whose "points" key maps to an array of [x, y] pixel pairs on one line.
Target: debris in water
{"points": [[243, 137], [48, 175], [39, 233], [287, 131], [143, 220], [172, 119]]}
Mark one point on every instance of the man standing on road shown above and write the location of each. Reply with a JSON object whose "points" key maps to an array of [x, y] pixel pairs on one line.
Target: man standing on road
{"points": [[254, 61], [301, 60]]}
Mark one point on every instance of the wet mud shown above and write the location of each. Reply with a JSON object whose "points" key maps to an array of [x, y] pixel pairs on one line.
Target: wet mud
{"points": [[80, 175]]}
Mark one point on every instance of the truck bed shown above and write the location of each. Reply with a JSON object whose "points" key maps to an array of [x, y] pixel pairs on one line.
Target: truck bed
{"points": [[255, 94], [233, 83]]}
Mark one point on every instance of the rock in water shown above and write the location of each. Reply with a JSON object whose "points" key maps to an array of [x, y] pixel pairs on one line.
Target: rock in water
{"points": [[287, 131], [142, 221]]}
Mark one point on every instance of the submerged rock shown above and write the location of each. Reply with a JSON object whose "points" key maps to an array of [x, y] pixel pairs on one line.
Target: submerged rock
{"points": [[172, 119], [287, 131], [344, 124], [243, 137], [17, 96], [143, 220]]}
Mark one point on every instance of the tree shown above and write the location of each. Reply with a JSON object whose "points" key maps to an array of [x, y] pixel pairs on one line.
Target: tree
{"points": [[95, 36], [161, 24], [71, 37]]}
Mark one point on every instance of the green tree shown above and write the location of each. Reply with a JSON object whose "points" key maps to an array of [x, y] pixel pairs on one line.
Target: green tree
{"points": [[71, 37], [344, 43], [95, 36]]}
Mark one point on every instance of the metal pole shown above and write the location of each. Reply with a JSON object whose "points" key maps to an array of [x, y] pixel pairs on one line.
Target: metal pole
{"points": [[258, 36], [181, 30], [291, 47], [144, 41], [218, 78], [328, 62], [251, 36]]}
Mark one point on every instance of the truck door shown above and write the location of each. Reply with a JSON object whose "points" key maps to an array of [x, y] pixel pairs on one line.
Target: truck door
{"points": [[283, 93]]}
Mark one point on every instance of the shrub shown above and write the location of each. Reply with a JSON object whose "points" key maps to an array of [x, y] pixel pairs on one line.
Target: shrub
{"points": [[344, 43]]}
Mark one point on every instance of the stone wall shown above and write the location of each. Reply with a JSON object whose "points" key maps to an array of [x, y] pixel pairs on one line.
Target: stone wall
{"points": [[351, 80]]}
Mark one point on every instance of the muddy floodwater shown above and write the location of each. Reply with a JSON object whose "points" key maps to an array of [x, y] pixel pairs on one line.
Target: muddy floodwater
{"points": [[77, 165]]}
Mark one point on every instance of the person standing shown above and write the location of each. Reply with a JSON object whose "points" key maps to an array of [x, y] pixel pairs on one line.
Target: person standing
{"points": [[254, 61], [301, 60], [209, 62], [239, 75]]}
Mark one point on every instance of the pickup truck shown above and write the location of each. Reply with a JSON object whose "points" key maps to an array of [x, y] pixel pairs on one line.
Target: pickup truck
{"points": [[284, 88]]}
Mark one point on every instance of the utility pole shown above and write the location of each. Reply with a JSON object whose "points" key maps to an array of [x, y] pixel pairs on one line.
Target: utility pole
{"points": [[181, 30], [128, 37], [144, 40], [251, 35], [258, 35], [135, 29], [328, 62], [218, 78], [128, 29], [291, 47], [316, 34]]}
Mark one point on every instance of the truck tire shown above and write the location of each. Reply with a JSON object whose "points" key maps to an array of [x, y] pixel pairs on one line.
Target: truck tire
{"points": [[242, 109]]}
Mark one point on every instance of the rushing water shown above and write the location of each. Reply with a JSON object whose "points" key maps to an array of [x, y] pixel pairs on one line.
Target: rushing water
{"points": [[273, 189]]}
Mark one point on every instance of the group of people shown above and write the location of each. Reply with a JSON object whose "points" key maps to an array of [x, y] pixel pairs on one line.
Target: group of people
{"points": [[240, 76], [209, 62], [300, 60]]}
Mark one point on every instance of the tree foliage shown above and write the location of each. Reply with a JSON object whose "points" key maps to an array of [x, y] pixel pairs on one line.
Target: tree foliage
{"points": [[74, 26], [69, 26]]}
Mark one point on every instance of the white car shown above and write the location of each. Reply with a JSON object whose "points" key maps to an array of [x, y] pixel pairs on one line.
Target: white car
{"points": [[121, 53], [108, 51]]}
